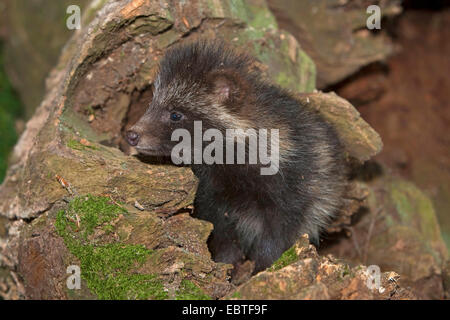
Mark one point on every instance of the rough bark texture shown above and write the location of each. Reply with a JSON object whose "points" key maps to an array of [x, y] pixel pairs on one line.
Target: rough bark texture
{"points": [[397, 229], [72, 197], [302, 274], [410, 106], [334, 34], [359, 139]]}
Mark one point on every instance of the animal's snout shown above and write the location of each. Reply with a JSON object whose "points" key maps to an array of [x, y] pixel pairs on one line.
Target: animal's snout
{"points": [[132, 137]]}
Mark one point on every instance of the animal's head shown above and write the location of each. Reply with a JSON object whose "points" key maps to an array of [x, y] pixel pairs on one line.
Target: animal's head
{"points": [[196, 82]]}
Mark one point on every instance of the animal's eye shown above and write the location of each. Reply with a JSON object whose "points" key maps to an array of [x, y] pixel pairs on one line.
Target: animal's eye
{"points": [[176, 116]]}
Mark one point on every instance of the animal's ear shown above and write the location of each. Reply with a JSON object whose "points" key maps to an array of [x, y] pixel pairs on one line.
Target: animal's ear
{"points": [[226, 85]]}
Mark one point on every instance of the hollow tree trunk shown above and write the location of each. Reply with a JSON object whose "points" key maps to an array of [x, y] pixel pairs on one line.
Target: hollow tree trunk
{"points": [[72, 197]]}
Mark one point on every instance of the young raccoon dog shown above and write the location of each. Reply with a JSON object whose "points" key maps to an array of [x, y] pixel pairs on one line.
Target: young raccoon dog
{"points": [[255, 216]]}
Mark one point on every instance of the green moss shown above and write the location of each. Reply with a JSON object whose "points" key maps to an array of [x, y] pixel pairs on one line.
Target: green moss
{"points": [[347, 271], [415, 209], [108, 269], [237, 295], [75, 144], [288, 257], [236, 9], [92, 212], [189, 291], [261, 17], [283, 79], [299, 75], [108, 228], [72, 122], [307, 70], [89, 109], [10, 110], [257, 16]]}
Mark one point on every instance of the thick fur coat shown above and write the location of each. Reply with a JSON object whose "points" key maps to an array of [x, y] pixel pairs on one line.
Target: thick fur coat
{"points": [[255, 216]]}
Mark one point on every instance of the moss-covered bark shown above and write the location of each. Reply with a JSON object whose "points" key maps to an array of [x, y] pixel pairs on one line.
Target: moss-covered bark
{"points": [[397, 229], [70, 178], [73, 197], [302, 274], [334, 34]]}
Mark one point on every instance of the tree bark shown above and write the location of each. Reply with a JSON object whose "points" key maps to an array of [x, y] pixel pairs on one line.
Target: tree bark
{"points": [[334, 34], [73, 197]]}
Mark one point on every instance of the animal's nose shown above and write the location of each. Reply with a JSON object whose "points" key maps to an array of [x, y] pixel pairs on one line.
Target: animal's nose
{"points": [[132, 137]]}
